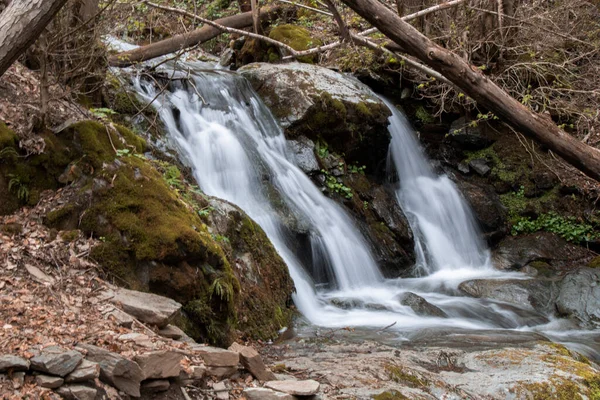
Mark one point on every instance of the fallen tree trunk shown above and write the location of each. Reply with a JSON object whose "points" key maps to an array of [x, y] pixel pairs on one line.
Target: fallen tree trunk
{"points": [[21, 23], [186, 40], [475, 84]]}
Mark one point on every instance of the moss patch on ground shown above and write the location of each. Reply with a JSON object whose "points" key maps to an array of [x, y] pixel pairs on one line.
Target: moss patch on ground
{"points": [[298, 38]]}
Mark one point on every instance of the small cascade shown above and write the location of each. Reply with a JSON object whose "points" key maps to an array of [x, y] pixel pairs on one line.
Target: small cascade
{"points": [[446, 235], [238, 153]]}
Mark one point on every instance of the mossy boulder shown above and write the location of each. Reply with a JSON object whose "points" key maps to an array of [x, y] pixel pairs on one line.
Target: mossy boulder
{"points": [[298, 38], [325, 106]]}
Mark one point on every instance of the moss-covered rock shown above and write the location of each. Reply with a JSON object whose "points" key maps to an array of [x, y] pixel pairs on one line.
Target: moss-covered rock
{"points": [[327, 106], [298, 38]]}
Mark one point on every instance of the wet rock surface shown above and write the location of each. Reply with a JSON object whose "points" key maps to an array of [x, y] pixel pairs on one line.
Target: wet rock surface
{"points": [[421, 306], [579, 297]]}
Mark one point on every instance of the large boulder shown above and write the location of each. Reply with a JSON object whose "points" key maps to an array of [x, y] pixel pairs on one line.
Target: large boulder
{"points": [[515, 252], [534, 294], [325, 106], [579, 297], [55, 360]]}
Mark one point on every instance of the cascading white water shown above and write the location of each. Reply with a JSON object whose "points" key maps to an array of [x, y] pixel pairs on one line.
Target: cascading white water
{"points": [[446, 236], [237, 151]]}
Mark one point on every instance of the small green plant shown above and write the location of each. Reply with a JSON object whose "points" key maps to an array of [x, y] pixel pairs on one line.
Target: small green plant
{"points": [[16, 185], [172, 176], [102, 112], [220, 238], [205, 212], [365, 205], [322, 150], [123, 152], [333, 185], [423, 115], [355, 169], [569, 228], [221, 289], [8, 153]]}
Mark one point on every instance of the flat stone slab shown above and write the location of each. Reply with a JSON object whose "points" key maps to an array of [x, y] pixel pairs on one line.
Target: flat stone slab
{"points": [[57, 361], [147, 307], [10, 362], [160, 364], [266, 394], [253, 362], [216, 357], [296, 388], [50, 382], [86, 371], [77, 392]]}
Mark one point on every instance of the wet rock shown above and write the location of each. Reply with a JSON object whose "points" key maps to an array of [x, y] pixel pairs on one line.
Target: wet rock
{"points": [[159, 364], [77, 392], [579, 297], [303, 150], [489, 210], [421, 306], [216, 357], [253, 362], [9, 362], [116, 370], [464, 168], [86, 371], [535, 294], [55, 360], [227, 57], [324, 105], [156, 385], [147, 307], [514, 253], [480, 166], [297, 388], [50, 382], [346, 304], [266, 394], [467, 137]]}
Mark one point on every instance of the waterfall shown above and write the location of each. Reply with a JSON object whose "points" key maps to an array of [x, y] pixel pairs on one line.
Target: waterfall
{"points": [[237, 150], [446, 235]]}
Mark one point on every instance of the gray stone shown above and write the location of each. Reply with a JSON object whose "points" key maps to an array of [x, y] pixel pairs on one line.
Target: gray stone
{"points": [[253, 362], [175, 333], [296, 388], [265, 394], [514, 253], [221, 390], [39, 275], [534, 294], [491, 214], [303, 150], [160, 364], [226, 57], [10, 362], [55, 360], [464, 168], [115, 370], [120, 317], [147, 307], [579, 297], [421, 306], [86, 371], [221, 372], [50, 382], [77, 392], [480, 166], [18, 379], [216, 357], [156, 385]]}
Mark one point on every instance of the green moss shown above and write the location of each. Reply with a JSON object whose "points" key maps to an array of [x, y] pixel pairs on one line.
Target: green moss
{"points": [[298, 38], [57, 218], [399, 375], [543, 268], [11, 229], [594, 263], [7, 137], [390, 395], [69, 236]]}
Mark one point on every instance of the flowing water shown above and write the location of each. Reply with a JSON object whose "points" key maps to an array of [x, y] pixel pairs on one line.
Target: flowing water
{"points": [[237, 151]]}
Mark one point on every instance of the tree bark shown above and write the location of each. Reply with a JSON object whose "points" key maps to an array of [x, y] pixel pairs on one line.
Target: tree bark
{"points": [[20, 25], [186, 40], [472, 81]]}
